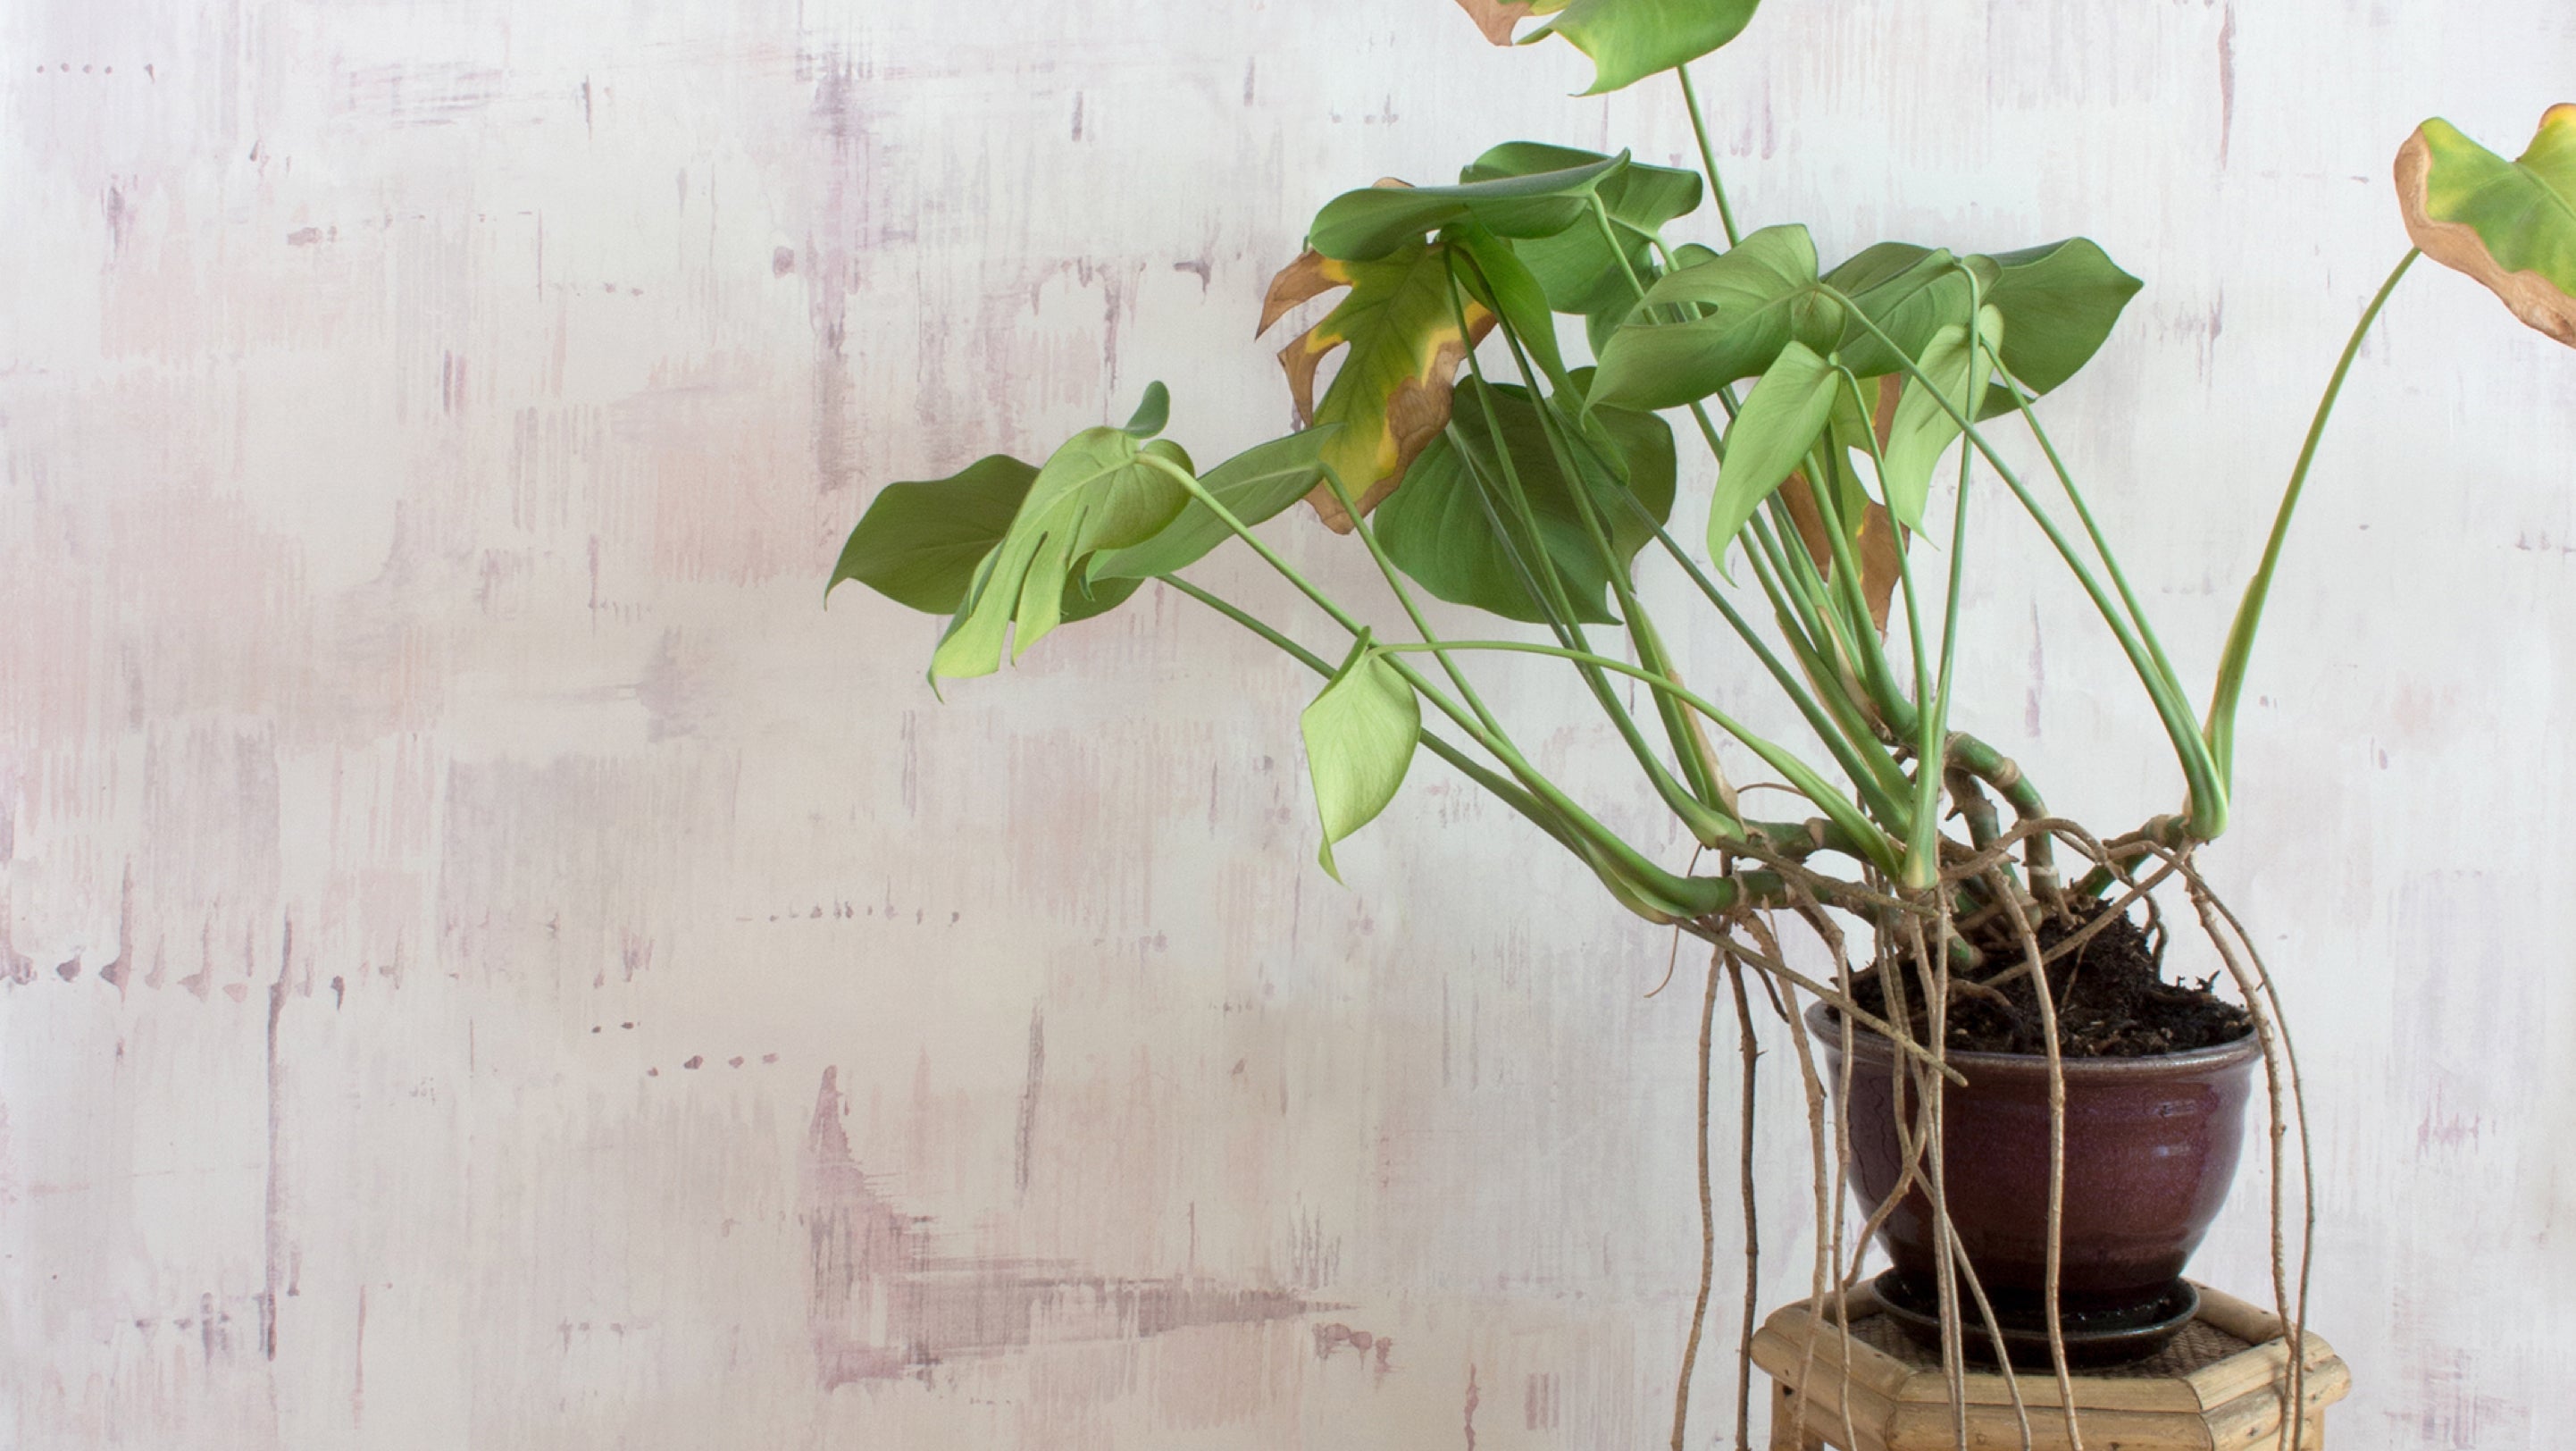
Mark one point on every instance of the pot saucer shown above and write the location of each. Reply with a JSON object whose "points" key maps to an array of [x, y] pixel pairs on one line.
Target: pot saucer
{"points": [[2093, 1337]]}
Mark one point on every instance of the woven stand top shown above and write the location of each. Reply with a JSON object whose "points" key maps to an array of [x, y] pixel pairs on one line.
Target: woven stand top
{"points": [[2200, 1345]]}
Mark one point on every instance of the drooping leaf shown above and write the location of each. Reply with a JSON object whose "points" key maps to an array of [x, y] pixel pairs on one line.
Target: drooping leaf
{"points": [[1770, 437], [2509, 224], [1360, 734], [1629, 40], [1454, 529], [1577, 267], [1922, 427], [1372, 222], [1254, 485], [1391, 395], [919, 542], [1740, 310], [1098, 492], [1875, 551]]}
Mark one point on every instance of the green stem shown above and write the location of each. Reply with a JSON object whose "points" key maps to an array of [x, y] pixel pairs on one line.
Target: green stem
{"points": [[2220, 729], [2193, 752], [1502, 787], [1707, 156], [1801, 776], [1627, 871], [1708, 824]]}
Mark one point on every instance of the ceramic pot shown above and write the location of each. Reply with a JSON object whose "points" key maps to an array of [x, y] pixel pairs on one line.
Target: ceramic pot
{"points": [[2151, 1147]]}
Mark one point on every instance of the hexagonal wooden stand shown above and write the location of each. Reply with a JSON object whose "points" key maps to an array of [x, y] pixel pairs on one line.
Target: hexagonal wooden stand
{"points": [[2220, 1386]]}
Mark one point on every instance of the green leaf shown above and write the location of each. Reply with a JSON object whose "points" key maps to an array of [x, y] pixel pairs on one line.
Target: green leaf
{"points": [[1630, 40], [1152, 413], [1097, 492], [1769, 439], [2509, 224], [1405, 348], [1910, 292], [1922, 428], [1254, 485], [1454, 530], [2059, 303], [1501, 282], [1576, 267], [1740, 308], [1373, 222], [1360, 734], [919, 543]]}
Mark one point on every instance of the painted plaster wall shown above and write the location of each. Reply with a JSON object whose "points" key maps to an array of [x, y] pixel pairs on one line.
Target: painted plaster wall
{"points": [[490, 962]]}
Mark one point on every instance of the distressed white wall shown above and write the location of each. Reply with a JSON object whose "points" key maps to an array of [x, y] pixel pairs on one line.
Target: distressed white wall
{"points": [[488, 962]]}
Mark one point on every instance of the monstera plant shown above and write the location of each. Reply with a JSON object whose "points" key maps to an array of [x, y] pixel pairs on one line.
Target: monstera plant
{"points": [[1840, 425]]}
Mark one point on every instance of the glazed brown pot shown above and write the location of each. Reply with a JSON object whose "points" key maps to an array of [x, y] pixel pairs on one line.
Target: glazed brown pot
{"points": [[2151, 1147]]}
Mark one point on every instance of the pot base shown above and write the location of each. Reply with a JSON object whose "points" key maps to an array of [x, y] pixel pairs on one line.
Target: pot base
{"points": [[2093, 1337]]}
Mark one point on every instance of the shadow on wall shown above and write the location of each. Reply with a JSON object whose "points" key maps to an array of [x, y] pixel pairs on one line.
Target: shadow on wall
{"points": [[883, 1304]]}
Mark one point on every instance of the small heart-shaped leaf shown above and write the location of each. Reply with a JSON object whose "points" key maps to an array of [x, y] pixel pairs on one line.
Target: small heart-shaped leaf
{"points": [[1360, 735]]}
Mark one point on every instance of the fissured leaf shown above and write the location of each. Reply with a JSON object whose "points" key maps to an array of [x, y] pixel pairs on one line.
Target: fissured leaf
{"points": [[1738, 311], [1254, 485], [2509, 224], [1098, 492], [1391, 394], [1360, 735]]}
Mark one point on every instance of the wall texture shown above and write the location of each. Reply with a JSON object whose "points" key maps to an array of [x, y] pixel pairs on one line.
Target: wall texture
{"points": [[489, 961]]}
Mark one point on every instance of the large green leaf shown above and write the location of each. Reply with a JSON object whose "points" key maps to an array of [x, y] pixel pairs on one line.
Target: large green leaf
{"points": [[1098, 492], [1365, 225], [1254, 485], [1577, 267], [1360, 734], [1628, 40], [1737, 312], [2058, 301], [1391, 395], [1921, 427], [2509, 224], [1778, 423], [919, 542], [1454, 529]]}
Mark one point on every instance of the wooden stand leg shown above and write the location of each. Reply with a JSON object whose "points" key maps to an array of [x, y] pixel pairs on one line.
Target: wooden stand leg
{"points": [[1786, 1433], [2312, 1434]]}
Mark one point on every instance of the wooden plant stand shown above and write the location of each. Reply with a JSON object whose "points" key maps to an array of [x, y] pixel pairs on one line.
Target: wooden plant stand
{"points": [[2220, 1386]]}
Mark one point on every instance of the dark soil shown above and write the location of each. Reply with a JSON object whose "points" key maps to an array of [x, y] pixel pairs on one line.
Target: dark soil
{"points": [[2112, 1000]]}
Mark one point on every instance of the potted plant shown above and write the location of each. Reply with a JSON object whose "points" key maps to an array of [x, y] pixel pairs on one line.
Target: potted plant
{"points": [[2007, 1057]]}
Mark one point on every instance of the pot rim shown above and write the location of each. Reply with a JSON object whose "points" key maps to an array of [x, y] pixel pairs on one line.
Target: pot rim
{"points": [[1827, 1028]]}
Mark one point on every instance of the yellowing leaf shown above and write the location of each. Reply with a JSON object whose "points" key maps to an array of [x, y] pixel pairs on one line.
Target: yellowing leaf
{"points": [[1496, 18], [2509, 224], [1392, 392]]}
